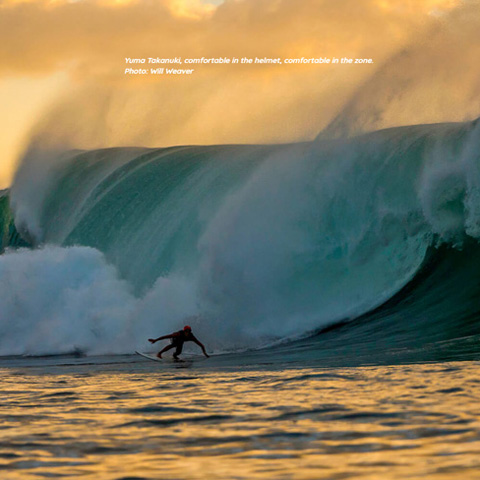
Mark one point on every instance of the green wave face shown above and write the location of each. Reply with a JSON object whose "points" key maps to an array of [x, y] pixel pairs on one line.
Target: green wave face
{"points": [[267, 242], [9, 237]]}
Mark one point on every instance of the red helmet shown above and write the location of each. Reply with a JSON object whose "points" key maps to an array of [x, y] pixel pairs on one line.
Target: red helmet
{"points": [[187, 328]]}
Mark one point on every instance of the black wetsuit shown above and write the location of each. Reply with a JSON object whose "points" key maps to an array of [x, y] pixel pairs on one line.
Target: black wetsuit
{"points": [[179, 339]]}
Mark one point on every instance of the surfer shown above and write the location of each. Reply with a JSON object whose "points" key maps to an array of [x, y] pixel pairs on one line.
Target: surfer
{"points": [[177, 340]]}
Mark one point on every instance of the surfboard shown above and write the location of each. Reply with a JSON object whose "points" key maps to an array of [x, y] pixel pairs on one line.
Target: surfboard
{"points": [[156, 359], [150, 357]]}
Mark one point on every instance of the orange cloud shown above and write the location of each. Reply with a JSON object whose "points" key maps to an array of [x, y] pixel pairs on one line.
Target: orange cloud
{"points": [[92, 36], [90, 39]]}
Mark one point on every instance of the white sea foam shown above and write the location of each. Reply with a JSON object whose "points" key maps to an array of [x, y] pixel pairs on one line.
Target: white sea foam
{"points": [[56, 300]]}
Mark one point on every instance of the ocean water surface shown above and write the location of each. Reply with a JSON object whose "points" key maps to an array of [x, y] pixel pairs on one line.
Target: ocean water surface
{"points": [[129, 418]]}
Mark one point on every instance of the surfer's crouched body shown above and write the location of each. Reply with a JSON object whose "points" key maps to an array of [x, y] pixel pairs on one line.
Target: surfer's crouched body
{"points": [[177, 340]]}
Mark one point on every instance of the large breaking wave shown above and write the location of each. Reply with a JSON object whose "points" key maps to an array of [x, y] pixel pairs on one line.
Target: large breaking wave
{"points": [[253, 244]]}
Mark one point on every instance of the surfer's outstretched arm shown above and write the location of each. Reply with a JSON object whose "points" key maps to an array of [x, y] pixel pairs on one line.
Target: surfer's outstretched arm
{"points": [[200, 344]]}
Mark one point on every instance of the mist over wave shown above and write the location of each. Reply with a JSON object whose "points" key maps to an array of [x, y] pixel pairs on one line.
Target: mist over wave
{"points": [[252, 244]]}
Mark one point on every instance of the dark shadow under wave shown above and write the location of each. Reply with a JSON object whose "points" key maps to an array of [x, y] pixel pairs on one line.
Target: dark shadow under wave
{"points": [[435, 317]]}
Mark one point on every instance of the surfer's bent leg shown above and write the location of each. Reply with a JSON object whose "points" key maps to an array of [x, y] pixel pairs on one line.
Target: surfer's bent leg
{"points": [[178, 351], [168, 347]]}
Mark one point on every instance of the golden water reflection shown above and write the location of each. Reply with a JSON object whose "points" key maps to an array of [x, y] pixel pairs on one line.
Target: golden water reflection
{"points": [[415, 421]]}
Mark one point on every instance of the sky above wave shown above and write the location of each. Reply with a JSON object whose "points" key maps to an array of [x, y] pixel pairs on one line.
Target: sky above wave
{"points": [[62, 69]]}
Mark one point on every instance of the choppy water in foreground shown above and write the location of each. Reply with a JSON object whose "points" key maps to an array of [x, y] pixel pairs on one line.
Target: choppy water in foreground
{"points": [[126, 418]]}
